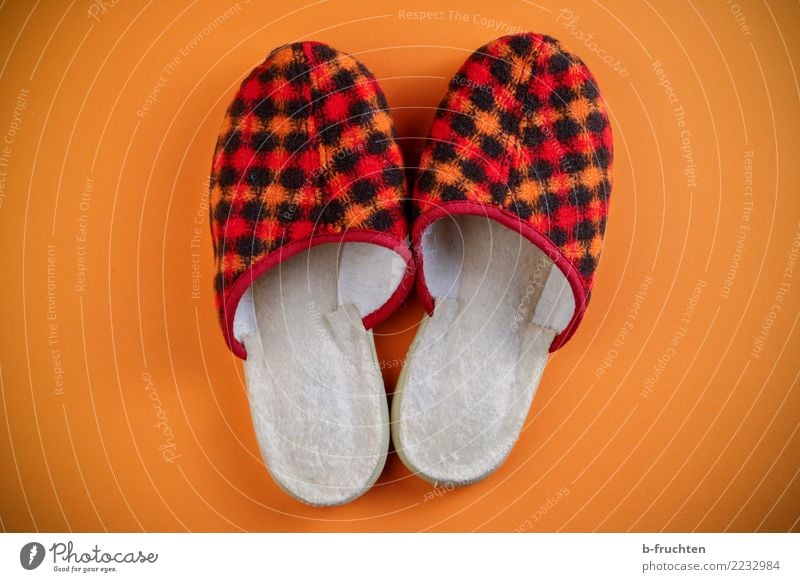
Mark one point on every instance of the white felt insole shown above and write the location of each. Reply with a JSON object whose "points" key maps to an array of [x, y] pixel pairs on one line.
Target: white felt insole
{"points": [[313, 378], [475, 364]]}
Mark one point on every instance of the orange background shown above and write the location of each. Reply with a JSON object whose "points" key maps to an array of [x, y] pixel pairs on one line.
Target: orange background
{"points": [[712, 446]]}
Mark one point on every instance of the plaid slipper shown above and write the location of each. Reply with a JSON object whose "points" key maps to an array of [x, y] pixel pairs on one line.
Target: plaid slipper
{"points": [[510, 209], [310, 242]]}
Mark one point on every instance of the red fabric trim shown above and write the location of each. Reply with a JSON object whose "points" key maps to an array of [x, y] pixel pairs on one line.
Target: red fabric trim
{"points": [[513, 222], [233, 294]]}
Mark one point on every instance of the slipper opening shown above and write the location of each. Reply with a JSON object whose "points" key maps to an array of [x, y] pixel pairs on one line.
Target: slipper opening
{"points": [[442, 245], [369, 276]]}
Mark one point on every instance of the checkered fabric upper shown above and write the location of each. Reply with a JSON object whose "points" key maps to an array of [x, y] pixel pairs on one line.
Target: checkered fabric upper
{"points": [[523, 128], [307, 149]]}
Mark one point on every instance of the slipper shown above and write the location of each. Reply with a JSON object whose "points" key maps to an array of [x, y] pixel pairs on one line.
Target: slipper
{"points": [[310, 243], [510, 210]]}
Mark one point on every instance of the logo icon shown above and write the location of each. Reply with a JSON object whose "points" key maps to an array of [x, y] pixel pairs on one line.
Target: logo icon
{"points": [[31, 555]]}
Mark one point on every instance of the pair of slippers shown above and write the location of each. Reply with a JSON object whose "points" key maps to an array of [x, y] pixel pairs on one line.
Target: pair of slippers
{"points": [[310, 236]]}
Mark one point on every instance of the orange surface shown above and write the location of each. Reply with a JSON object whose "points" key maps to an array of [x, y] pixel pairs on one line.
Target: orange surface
{"points": [[674, 407]]}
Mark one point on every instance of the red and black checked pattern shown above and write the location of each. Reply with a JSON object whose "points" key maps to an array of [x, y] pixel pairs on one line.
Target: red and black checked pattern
{"points": [[523, 128], [307, 149]]}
